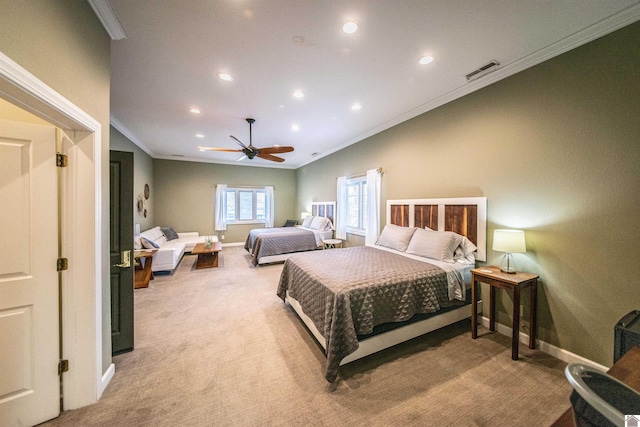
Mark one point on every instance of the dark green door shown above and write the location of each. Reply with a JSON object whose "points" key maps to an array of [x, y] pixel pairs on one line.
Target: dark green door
{"points": [[121, 250]]}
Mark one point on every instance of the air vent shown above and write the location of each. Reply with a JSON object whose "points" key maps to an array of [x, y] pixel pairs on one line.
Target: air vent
{"points": [[485, 69]]}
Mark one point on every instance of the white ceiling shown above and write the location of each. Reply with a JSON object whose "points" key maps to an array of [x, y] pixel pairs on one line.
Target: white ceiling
{"points": [[174, 49]]}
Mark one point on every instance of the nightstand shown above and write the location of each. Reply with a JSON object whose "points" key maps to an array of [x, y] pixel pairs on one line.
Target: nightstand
{"points": [[512, 282], [331, 243]]}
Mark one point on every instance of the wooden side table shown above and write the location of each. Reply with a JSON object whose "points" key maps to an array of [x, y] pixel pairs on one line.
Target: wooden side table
{"points": [[513, 282], [331, 243], [143, 273]]}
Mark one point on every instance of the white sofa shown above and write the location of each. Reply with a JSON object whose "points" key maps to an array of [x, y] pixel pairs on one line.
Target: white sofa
{"points": [[169, 252]]}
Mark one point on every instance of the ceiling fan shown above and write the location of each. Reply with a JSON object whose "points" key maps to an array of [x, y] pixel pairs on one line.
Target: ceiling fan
{"points": [[250, 151]]}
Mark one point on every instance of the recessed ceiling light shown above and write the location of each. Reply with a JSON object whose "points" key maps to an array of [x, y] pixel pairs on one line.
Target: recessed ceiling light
{"points": [[350, 27], [225, 76], [356, 106], [295, 127], [426, 60], [298, 94], [199, 135], [195, 111]]}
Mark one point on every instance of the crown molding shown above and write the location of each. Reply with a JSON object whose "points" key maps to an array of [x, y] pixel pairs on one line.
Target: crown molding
{"points": [[108, 17], [117, 124]]}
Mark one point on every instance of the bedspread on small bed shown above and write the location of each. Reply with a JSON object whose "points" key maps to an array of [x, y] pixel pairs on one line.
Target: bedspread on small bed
{"points": [[275, 241], [346, 292]]}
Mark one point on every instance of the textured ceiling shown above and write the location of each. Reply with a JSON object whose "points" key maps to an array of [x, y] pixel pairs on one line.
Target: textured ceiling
{"points": [[174, 49]]}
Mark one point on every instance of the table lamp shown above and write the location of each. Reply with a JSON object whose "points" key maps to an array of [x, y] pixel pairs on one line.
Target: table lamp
{"points": [[508, 241]]}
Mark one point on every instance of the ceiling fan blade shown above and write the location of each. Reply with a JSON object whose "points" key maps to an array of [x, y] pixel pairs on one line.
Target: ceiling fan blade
{"points": [[276, 150], [268, 156], [227, 150], [240, 142]]}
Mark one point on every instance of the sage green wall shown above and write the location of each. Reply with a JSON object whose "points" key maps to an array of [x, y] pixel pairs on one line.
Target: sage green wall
{"points": [[556, 151], [186, 191], [142, 174], [64, 45]]}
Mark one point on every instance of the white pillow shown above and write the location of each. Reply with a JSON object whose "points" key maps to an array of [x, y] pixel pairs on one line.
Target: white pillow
{"points": [[137, 244], [465, 252], [395, 237], [320, 223], [467, 246], [438, 245], [307, 221]]}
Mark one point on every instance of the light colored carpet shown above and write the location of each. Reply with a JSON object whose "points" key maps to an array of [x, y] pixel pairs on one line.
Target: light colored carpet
{"points": [[217, 347]]}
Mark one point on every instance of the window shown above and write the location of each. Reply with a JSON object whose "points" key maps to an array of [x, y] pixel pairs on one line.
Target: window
{"points": [[357, 205], [245, 205]]}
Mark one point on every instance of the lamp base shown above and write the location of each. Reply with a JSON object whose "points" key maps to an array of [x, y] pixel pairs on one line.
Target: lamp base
{"points": [[507, 265]]}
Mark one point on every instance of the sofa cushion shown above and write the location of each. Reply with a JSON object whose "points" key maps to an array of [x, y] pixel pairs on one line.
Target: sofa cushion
{"points": [[154, 235]]}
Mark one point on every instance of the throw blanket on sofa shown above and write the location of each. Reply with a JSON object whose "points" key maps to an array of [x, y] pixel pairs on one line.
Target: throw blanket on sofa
{"points": [[346, 292], [263, 242]]}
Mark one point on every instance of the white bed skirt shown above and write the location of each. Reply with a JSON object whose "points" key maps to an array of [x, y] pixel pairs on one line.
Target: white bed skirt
{"points": [[390, 338]]}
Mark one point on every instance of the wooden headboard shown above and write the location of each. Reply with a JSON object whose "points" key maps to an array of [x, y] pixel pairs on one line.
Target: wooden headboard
{"points": [[327, 209], [466, 216]]}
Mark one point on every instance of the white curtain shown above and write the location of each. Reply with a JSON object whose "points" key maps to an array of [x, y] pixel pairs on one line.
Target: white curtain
{"points": [[373, 207], [269, 207], [221, 208], [341, 214]]}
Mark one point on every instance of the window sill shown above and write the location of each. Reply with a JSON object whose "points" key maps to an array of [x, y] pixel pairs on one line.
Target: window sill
{"points": [[245, 222]]}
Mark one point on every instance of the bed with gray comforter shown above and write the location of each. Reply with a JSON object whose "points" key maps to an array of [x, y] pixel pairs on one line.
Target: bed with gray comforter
{"points": [[347, 292], [263, 242]]}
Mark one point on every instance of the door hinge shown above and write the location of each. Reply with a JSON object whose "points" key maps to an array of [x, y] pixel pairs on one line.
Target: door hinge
{"points": [[61, 160], [62, 264], [63, 366]]}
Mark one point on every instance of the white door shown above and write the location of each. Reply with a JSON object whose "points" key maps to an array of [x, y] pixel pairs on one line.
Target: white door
{"points": [[29, 320]]}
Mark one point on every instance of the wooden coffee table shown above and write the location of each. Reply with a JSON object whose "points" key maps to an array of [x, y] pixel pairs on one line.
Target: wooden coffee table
{"points": [[207, 257]]}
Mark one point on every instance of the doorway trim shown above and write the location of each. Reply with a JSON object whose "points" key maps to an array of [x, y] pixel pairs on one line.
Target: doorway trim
{"points": [[82, 312]]}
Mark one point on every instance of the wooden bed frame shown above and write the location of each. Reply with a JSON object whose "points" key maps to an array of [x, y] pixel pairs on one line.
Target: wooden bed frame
{"points": [[326, 209], [466, 216]]}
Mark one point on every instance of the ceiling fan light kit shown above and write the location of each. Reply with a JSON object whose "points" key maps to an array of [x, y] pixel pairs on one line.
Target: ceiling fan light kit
{"points": [[250, 151]]}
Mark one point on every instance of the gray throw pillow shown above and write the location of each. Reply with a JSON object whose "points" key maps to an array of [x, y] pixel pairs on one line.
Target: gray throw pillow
{"points": [[170, 233]]}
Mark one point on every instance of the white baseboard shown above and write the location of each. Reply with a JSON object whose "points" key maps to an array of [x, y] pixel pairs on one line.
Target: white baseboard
{"points": [[552, 350], [226, 245], [106, 379]]}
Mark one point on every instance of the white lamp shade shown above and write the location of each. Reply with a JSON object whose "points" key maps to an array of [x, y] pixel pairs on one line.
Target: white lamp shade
{"points": [[510, 241], [305, 214]]}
